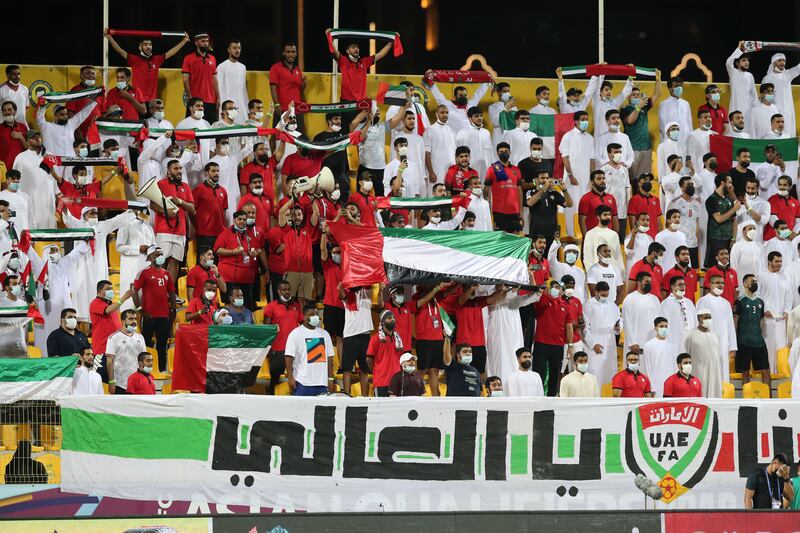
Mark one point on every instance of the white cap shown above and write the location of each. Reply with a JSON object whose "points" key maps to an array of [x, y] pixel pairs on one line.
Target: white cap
{"points": [[704, 311], [408, 356], [777, 56]]}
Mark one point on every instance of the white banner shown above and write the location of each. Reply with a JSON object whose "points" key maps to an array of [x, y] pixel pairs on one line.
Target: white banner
{"points": [[423, 454]]}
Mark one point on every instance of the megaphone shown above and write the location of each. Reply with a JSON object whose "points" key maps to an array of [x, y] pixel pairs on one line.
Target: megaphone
{"points": [[151, 191], [323, 181]]}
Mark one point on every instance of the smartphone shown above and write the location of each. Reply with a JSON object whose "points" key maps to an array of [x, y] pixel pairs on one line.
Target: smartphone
{"points": [[403, 158]]}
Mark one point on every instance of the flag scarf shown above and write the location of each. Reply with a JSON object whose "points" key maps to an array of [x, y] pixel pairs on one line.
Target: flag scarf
{"points": [[457, 76], [372, 255], [756, 46], [398, 202], [342, 33], [725, 149], [607, 70], [549, 128], [76, 95], [107, 203], [214, 359], [47, 378], [391, 94], [145, 33], [60, 234], [62, 161], [361, 105]]}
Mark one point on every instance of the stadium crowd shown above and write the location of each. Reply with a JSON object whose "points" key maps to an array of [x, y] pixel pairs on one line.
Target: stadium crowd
{"points": [[635, 242]]}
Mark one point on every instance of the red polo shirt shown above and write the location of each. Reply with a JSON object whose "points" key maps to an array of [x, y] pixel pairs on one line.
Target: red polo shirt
{"points": [[128, 111], [212, 202], [288, 83], [354, 76], [552, 317], [196, 304], [198, 275], [275, 260], [11, 148], [266, 171], [201, 70], [366, 206], [719, 117], [139, 383], [176, 225], [469, 318], [655, 271], [237, 268], [427, 320], [403, 315], [576, 310], [646, 204], [386, 362], [145, 73], [456, 178], [333, 276], [505, 194], [264, 208], [632, 385], [540, 267], [103, 325], [298, 250], [286, 317], [731, 281], [785, 208], [690, 276], [88, 191], [591, 201], [677, 386], [298, 166], [156, 285]]}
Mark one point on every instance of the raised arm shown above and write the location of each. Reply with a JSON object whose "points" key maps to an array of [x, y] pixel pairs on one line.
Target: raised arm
{"points": [[177, 48], [336, 54], [113, 42], [383, 51], [476, 98]]}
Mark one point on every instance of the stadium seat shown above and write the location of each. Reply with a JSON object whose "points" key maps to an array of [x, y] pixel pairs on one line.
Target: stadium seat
{"points": [[113, 257], [785, 390], [34, 352], [157, 374], [258, 316], [607, 391], [728, 390], [171, 358], [50, 437], [732, 370], [782, 363], [576, 226], [182, 291], [191, 255], [442, 389], [283, 389], [755, 389], [355, 388]]}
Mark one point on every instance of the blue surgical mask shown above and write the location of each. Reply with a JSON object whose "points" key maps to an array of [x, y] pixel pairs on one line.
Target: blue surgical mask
{"points": [[662, 332], [121, 85], [109, 294], [678, 91], [83, 151], [715, 97], [160, 260], [636, 101], [131, 329], [238, 302], [784, 233], [466, 359], [769, 98], [313, 321], [13, 185], [583, 125]]}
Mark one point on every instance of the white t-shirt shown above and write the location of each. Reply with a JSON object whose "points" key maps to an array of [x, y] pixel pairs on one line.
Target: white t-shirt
{"points": [[610, 274], [310, 350], [86, 382], [360, 320], [126, 351]]}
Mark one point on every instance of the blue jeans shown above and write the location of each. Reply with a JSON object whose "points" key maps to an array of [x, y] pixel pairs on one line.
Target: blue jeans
{"points": [[313, 390]]}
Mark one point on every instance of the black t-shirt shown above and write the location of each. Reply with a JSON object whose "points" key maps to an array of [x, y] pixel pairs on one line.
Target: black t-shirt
{"points": [[544, 213], [462, 380], [59, 343], [763, 487], [337, 161], [740, 179], [530, 169]]}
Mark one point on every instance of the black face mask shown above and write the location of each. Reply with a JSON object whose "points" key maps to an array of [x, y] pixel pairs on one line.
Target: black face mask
{"points": [[754, 286], [684, 264], [690, 190], [745, 164], [389, 326], [647, 186], [461, 100], [712, 165], [605, 221], [262, 158], [504, 156], [526, 364], [646, 287]]}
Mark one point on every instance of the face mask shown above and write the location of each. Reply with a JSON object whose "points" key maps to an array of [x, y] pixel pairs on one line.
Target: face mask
{"points": [[251, 222], [198, 114], [238, 302], [335, 127], [13, 185], [633, 367], [750, 234], [636, 101], [259, 115], [613, 128], [284, 299], [336, 258], [555, 292], [715, 97], [674, 226], [160, 260], [71, 322], [89, 83], [662, 332], [754, 286], [54, 258], [114, 154], [605, 221], [536, 154], [209, 294], [716, 291], [524, 126], [9, 119], [569, 293], [784, 233], [783, 193], [544, 102], [602, 299], [706, 323], [526, 364], [409, 369], [769, 98], [476, 191], [242, 230], [131, 328], [674, 134], [226, 320], [678, 91], [399, 299], [466, 359], [687, 368], [690, 190], [158, 115], [617, 158], [504, 156], [582, 367], [680, 294], [647, 186], [659, 259], [571, 257], [366, 185], [336, 194], [313, 321], [121, 85], [147, 369], [646, 287], [16, 289], [505, 97], [83, 151], [224, 149], [233, 113], [109, 294], [583, 125], [496, 394], [436, 220]]}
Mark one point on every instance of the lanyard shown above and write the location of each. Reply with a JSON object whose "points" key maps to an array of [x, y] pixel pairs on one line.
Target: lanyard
{"points": [[769, 486]]}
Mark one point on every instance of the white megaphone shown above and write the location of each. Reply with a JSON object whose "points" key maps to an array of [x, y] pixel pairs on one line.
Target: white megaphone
{"points": [[151, 191], [323, 181]]}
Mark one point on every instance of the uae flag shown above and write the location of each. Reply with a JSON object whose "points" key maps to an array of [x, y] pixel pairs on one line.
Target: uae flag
{"points": [[725, 149], [401, 202], [399, 255], [215, 359], [549, 128], [391, 94], [48, 378]]}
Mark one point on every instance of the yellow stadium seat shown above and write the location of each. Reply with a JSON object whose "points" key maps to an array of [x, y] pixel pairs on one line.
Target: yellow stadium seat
{"points": [[352, 157], [355, 388], [34, 352], [755, 389], [263, 374], [113, 256], [607, 391], [105, 388], [577, 226], [50, 436], [171, 358], [732, 369], [442, 389], [166, 388], [191, 255], [782, 362], [182, 292], [258, 316], [157, 373], [785, 390], [728, 391], [283, 389]]}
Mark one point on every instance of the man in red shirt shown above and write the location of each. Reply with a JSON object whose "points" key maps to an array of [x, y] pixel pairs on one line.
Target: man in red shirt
{"points": [[287, 314], [719, 115], [354, 71], [202, 307], [256, 195], [643, 201], [597, 196], [783, 207], [304, 162], [286, 84], [126, 96], [12, 135], [264, 166], [239, 254], [88, 128], [331, 257], [145, 65], [204, 269], [298, 237], [682, 268], [200, 77], [683, 384], [383, 353], [364, 199], [630, 383], [503, 182], [651, 263], [723, 269], [157, 302], [82, 185], [403, 312], [170, 225], [209, 221], [554, 321], [104, 316], [459, 174], [141, 381]]}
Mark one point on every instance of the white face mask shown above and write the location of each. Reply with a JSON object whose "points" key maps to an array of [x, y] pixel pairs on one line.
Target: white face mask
{"points": [[505, 97], [706, 323], [158, 115], [680, 294], [198, 114], [783, 193], [569, 293], [466, 359], [436, 220], [366, 185], [121, 85], [259, 115], [555, 292], [257, 190], [497, 394], [54, 258], [674, 226], [613, 128], [644, 229], [716, 291], [571, 257], [336, 194], [8, 119], [83, 151], [147, 369], [750, 234], [226, 320], [224, 149], [89, 83], [617, 157], [71, 322], [582, 367], [687, 368], [335, 127], [536, 154], [524, 126], [92, 221], [633, 367], [402, 150], [209, 294], [544, 102], [291, 127], [232, 113], [399, 299], [477, 191], [409, 369]]}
